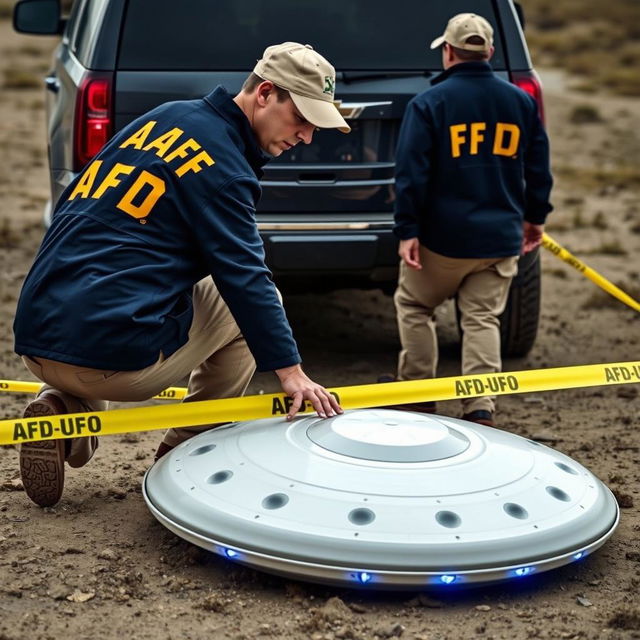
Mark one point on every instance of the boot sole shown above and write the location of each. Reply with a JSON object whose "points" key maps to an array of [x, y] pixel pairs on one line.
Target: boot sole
{"points": [[42, 463]]}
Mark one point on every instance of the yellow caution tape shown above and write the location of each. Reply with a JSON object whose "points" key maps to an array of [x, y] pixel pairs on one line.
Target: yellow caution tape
{"points": [[20, 386], [550, 244], [21, 430]]}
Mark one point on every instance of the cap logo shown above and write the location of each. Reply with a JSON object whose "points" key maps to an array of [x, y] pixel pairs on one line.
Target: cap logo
{"points": [[329, 85]]}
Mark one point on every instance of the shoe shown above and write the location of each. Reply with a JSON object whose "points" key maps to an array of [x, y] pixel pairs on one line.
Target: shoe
{"points": [[162, 449], [42, 463], [480, 417]]}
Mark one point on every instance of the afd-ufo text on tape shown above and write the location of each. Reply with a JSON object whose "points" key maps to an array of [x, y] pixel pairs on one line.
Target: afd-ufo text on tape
{"points": [[20, 430]]}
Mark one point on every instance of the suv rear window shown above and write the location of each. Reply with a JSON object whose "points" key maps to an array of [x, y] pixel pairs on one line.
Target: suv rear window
{"points": [[227, 35]]}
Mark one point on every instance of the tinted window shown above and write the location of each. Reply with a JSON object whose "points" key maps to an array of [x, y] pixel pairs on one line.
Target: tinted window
{"points": [[230, 34], [71, 30], [85, 21]]}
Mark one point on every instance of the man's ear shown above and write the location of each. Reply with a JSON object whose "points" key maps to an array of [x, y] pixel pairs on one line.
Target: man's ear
{"points": [[263, 91], [448, 52]]}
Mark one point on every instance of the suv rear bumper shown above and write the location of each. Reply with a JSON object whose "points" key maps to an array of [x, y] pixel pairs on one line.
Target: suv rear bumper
{"points": [[360, 249]]}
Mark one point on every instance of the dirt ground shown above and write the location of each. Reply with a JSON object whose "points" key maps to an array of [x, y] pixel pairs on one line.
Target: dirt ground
{"points": [[98, 565]]}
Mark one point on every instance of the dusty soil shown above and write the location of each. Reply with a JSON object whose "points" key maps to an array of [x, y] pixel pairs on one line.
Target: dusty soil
{"points": [[99, 566]]}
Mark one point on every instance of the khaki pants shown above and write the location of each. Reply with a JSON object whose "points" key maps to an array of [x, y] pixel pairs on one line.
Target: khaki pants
{"points": [[215, 357], [482, 286]]}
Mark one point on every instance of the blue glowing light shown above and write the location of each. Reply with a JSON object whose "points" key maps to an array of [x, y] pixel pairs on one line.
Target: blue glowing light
{"points": [[523, 571], [230, 553], [577, 556], [364, 577], [448, 579]]}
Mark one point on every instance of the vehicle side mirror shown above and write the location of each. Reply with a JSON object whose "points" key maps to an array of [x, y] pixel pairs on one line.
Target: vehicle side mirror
{"points": [[39, 17]]}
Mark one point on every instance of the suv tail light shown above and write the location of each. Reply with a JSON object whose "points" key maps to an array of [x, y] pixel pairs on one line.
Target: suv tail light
{"points": [[93, 121], [530, 82]]}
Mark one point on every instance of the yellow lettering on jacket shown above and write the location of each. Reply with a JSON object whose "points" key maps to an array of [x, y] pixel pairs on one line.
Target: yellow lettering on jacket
{"points": [[513, 132], [142, 210], [139, 198], [476, 136], [85, 184], [163, 148], [111, 180], [139, 137], [193, 164], [457, 139], [181, 151], [505, 140], [163, 142]]}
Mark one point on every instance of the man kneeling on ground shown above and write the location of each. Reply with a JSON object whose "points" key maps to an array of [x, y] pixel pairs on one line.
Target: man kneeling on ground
{"points": [[153, 268]]}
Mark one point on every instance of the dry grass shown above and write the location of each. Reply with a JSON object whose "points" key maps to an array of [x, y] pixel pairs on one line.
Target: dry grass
{"points": [[561, 274], [590, 38], [6, 9], [600, 299], [19, 79], [31, 50], [553, 226], [585, 114], [610, 248], [624, 81], [9, 236], [599, 221], [578, 220], [621, 177]]}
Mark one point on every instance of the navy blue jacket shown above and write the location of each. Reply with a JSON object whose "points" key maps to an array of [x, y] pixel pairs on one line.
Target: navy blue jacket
{"points": [[168, 201], [472, 162]]}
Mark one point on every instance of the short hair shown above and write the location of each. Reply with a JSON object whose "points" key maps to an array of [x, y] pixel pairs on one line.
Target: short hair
{"points": [[252, 82], [471, 56]]}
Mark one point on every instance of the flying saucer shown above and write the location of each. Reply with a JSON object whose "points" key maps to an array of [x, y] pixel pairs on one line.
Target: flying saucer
{"points": [[381, 498]]}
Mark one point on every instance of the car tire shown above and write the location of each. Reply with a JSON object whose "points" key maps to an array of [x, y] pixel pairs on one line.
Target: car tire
{"points": [[520, 319]]}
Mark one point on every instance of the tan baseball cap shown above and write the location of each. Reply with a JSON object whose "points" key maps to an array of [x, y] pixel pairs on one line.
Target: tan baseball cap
{"points": [[461, 27], [309, 78]]}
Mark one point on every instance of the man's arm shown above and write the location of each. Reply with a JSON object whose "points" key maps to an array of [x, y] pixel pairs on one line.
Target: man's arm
{"points": [[532, 236], [409, 251], [537, 176], [413, 167], [229, 239]]}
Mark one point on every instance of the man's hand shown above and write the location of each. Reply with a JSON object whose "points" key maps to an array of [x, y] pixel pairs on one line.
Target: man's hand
{"points": [[409, 251], [298, 386], [532, 236]]}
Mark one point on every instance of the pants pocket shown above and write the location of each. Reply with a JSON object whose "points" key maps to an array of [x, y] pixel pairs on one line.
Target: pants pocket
{"points": [[508, 267]]}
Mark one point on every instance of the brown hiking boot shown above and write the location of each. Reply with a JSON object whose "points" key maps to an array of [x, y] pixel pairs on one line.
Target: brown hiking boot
{"points": [[42, 463]]}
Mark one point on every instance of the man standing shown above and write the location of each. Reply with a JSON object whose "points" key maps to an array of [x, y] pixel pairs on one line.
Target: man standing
{"points": [[472, 193], [153, 268]]}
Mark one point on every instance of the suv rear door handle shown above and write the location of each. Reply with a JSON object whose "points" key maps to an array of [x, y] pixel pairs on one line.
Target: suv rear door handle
{"points": [[52, 84], [317, 178]]}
